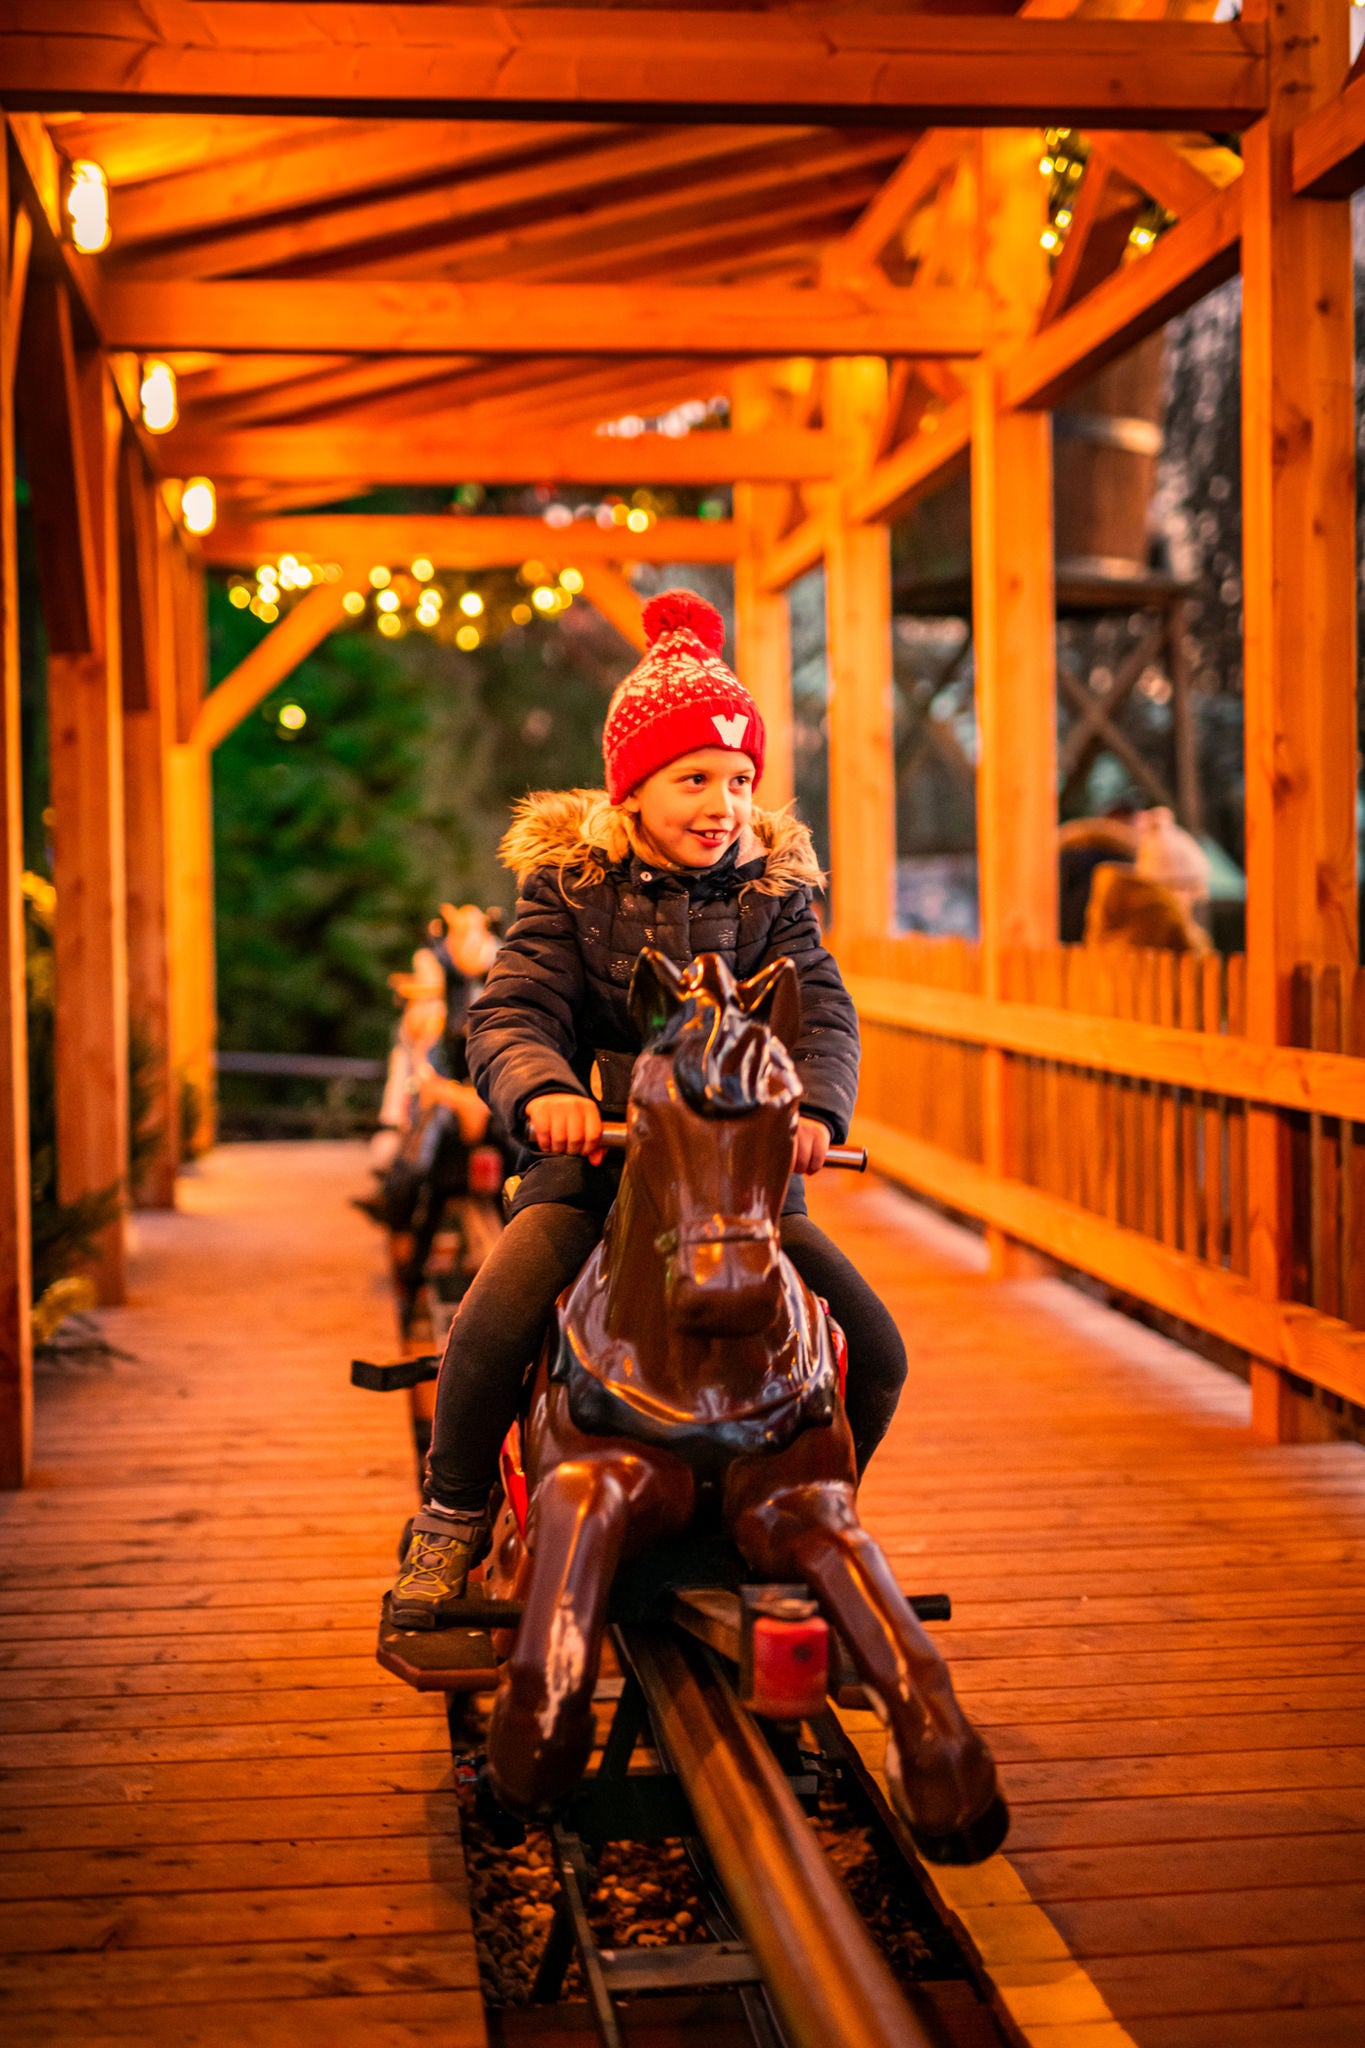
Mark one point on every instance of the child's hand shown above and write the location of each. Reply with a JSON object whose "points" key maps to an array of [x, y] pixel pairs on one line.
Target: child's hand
{"points": [[812, 1143], [567, 1123]]}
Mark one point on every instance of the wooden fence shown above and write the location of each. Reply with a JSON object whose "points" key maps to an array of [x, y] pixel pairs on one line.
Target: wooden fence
{"points": [[1127, 1091]]}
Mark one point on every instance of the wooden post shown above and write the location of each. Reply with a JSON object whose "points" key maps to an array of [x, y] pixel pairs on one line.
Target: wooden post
{"points": [[1014, 634], [762, 627], [193, 1000], [1299, 580], [86, 739], [148, 735], [862, 777], [16, 1278]]}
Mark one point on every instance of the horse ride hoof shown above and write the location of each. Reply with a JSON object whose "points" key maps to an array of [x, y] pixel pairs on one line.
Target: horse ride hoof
{"points": [[505, 1828], [972, 1844]]}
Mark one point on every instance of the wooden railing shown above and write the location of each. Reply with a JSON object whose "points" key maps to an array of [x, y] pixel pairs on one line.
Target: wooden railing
{"points": [[1129, 1083]]}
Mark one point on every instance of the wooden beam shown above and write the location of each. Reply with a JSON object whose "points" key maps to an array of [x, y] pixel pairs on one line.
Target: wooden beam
{"points": [[448, 453], [16, 1264], [608, 591], [194, 1031], [910, 184], [1186, 262], [1107, 209], [1013, 634], [1298, 1340], [921, 464], [355, 170], [1155, 164], [1299, 571], [796, 552], [1329, 146], [16, 285], [762, 628], [85, 724], [49, 413], [322, 315], [360, 539], [269, 662], [138, 602], [862, 782], [823, 64], [148, 736]]}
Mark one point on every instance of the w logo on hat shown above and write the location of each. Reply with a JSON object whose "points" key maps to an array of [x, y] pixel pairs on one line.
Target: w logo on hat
{"points": [[731, 730]]}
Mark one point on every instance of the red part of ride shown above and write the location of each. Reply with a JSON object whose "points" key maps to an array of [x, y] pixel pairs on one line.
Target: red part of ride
{"points": [[790, 1668]]}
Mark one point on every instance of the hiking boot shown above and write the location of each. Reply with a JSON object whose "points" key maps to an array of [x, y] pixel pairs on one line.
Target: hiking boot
{"points": [[435, 1567]]}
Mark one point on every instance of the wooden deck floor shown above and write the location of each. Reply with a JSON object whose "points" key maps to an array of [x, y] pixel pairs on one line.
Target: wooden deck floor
{"points": [[220, 1824], [1162, 1625]]}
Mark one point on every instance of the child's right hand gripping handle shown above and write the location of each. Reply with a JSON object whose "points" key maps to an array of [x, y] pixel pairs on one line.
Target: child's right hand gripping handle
{"points": [[854, 1157]]}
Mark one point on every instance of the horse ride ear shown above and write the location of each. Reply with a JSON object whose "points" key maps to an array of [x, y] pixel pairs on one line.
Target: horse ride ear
{"points": [[655, 993], [773, 996]]}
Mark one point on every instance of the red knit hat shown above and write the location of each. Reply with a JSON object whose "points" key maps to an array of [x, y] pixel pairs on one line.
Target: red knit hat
{"points": [[681, 696]]}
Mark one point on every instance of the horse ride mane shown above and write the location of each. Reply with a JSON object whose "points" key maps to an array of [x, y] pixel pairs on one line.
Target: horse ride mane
{"points": [[727, 1060]]}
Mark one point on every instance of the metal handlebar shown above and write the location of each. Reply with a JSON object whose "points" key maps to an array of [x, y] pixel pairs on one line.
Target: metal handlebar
{"points": [[854, 1157]]}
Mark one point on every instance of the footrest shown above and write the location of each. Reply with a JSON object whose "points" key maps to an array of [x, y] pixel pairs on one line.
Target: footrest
{"points": [[391, 1379], [702, 1966], [453, 1658]]}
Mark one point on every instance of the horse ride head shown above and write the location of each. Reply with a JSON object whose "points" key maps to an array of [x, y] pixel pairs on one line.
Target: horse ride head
{"points": [[713, 1112]]}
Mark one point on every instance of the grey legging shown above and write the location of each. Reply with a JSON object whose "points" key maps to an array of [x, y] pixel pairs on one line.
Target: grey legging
{"points": [[498, 1329]]}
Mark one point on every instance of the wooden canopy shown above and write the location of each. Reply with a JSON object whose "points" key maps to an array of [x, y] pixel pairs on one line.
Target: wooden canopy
{"points": [[441, 243]]}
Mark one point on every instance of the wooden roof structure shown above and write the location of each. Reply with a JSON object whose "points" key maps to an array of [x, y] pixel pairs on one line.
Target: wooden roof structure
{"points": [[434, 243]]}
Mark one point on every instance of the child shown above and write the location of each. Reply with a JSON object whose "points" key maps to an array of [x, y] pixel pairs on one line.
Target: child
{"points": [[675, 855]]}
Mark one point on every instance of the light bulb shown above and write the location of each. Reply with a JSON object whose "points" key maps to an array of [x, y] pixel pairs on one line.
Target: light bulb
{"points": [[387, 600], [87, 208], [354, 603], [199, 505], [543, 598], [379, 577], [471, 604], [157, 394], [293, 717], [423, 570], [571, 580], [467, 639], [389, 624]]}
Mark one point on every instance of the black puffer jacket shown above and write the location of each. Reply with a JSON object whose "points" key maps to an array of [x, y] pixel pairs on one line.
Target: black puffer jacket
{"points": [[555, 1000]]}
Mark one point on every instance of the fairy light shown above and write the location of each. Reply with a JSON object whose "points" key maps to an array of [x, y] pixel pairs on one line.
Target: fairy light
{"points": [[239, 597], [1064, 218], [522, 615], [87, 207], [157, 397], [571, 580], [423, 570], [389, 624], [199, 505], [387, 601], [293, 717], [543, 598], [380, 578], [354, 603], [471, 604], [1050, 239], [638, 521], [467, 639]]}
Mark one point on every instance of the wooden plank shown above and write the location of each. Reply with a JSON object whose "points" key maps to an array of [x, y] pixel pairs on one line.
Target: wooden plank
{"points": [[824, 65], [393, 2020], [910, 184], [66, 526], [255, 316], [16, 1278], [214, 1974], [1329, 146], [358, 539], [1295, 1078]]}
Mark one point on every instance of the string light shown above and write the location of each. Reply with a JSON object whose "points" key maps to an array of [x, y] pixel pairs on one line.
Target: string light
{"points": [[157, 396], [380, 578], [1050, 239], [471, 604], [543, 598], [293, 717], [467, 639], [423, 570], [354, 603], [571, 580], [387, 600], [199, 505], [521, 615], [390, 624], [87, 207], [639, 521]]}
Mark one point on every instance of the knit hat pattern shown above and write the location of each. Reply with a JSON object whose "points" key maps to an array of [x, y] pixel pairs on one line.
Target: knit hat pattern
{"points": [[680, 697]]}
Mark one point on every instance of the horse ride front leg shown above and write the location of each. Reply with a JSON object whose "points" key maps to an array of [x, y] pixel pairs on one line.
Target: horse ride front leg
{"points": [[587, 1513], [940, 1773]]}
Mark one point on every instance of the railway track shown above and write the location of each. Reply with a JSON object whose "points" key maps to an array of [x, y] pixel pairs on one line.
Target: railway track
{"points": [[777, 1955]]}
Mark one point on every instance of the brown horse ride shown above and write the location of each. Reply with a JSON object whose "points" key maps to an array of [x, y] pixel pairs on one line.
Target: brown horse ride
{"points": [[692, 1384]]}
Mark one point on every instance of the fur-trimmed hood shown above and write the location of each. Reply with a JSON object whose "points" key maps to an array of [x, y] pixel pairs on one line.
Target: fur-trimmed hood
{"points": [[582, 834]]}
